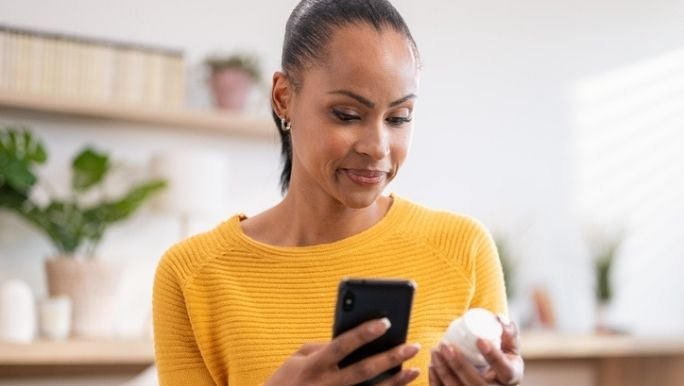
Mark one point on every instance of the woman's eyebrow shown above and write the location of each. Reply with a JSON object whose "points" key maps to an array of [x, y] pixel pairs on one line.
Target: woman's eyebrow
{"points": [[368, 103], [402, 100]]}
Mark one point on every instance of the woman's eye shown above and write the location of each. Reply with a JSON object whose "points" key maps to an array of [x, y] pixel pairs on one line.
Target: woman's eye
{"points": [[397, 121], [342, 116]]}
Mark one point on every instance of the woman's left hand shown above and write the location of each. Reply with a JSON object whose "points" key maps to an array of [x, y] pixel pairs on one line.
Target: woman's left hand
{"points": [[450, 367]]}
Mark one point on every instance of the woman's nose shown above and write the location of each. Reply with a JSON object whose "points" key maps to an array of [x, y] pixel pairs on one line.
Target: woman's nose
{"points": [[374, 141]]}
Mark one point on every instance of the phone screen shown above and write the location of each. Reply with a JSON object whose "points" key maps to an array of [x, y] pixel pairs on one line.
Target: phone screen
{"points": [[361, 300]]}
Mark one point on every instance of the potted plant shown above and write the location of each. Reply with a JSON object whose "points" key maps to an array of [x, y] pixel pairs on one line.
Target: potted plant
{"points": [[231, 78], [604, 259], [74, 227], [604, 247]]}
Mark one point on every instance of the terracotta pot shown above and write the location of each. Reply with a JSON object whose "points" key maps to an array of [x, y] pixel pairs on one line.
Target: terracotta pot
{"points": [[93, 286], [230, 88]]}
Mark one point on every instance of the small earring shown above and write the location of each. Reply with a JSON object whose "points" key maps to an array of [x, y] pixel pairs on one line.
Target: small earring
{"points": [[285, 125]]}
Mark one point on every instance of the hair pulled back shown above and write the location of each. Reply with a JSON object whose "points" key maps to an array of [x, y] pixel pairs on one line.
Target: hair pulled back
{"points": [[308, 30]]}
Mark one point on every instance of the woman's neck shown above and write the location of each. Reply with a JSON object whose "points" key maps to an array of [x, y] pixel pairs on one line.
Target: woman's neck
{"points": [[302, 220], [326, 221]]}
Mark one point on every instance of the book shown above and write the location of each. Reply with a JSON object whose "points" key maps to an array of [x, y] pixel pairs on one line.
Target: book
{"points": [[74, 67]]}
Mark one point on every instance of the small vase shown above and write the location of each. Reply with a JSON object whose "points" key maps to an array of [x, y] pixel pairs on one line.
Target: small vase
{"points": [[230, 87], [93, 286], [602, 326]]}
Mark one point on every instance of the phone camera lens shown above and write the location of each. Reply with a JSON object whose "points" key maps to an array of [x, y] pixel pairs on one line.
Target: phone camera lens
{"points": [[348, 301]]}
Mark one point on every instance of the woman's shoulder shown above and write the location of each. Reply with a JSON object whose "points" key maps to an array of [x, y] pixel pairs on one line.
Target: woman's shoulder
{"points": [[189, 255], [460, 238], [430, 219], [441, 227]]}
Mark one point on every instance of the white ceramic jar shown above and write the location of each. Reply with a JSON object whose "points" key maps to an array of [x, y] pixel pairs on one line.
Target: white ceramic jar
{"points": [[17, 312], [55, 317], [476, 323]]}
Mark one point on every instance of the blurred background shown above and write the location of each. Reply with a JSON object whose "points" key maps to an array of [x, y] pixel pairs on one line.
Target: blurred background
{"points": [[560, 125]]}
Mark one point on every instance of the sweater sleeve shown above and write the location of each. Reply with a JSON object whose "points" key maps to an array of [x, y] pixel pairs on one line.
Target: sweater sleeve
{"points": [[490, 291], [177, 356]]}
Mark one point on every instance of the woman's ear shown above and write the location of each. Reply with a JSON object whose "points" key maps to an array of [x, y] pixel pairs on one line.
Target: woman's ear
{"points": [[281, 94]]}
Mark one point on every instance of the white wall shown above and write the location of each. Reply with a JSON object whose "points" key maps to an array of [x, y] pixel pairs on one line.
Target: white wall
{"points": [[496, 130]]}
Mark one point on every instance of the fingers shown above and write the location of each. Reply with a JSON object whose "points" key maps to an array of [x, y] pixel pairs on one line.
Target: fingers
{"points": [[346, 343], [404, 377], [309, 348], [377, 364], [504, 367], [460, 366], [433, 377], [441, 372], [510, 341], [498, 362]]}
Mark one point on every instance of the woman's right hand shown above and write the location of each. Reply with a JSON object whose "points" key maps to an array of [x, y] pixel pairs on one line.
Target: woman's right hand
{"points": [[316, 364]]}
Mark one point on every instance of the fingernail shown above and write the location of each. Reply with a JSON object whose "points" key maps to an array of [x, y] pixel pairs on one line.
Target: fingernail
{"points": [[381, 326], [446, 349], [410, 350], [409, 374], [503, 319], [490, 375], [484, 346]]}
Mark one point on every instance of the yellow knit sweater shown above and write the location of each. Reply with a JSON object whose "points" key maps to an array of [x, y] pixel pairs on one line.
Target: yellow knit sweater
{"points": [[228, 310]]}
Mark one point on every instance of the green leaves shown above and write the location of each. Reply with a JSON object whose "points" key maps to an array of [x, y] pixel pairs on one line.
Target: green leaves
{"points": [[89, 168], [122, 208], [20, 144], [109, 212], [11, 198], [64, 223], [69, 225], [603, 264], [19, 151]]}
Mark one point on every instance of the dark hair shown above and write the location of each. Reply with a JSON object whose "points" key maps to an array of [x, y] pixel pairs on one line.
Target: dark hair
{"points": [[307, 32]]}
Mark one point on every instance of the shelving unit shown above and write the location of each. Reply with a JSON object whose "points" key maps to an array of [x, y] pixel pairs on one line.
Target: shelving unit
{"points": [[140, 352], [190, 120], [553, 346], [77, 352], [602, 360], [71, 358]]}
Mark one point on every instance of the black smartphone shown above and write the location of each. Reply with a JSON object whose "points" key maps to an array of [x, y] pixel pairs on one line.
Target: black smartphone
{"points": [[361, 300]]}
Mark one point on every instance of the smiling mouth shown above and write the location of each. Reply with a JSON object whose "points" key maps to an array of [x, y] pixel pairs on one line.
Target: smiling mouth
{"points": [[365, 176]]}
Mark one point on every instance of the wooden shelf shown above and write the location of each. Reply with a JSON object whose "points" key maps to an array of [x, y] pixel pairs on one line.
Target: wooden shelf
{"points": [[546, 346], [550, 359], [78, 353], [205, 121], [534, 346]]}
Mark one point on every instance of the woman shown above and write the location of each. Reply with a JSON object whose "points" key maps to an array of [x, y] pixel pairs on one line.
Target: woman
{"points": [[245, 303]]}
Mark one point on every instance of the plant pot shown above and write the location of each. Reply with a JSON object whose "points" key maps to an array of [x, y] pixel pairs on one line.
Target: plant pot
{"points": [[230, 87], [92, 286], [602, 324]]}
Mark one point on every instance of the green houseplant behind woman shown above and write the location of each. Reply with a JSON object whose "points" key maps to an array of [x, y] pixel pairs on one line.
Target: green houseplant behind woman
{"points": [[73, 227]]}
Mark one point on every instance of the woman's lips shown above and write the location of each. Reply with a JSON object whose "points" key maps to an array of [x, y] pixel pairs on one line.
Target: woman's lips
{"points": [[366, 176]]}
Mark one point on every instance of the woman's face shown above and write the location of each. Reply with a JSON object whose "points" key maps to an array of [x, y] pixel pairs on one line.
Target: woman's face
{"points": [[351, 116]]}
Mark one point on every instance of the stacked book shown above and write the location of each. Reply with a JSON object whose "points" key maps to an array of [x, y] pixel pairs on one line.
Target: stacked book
{"points": [[72, 67]]}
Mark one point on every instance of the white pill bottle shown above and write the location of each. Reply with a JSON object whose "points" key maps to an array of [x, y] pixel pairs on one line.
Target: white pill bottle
{"points": [[464, 332]]}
